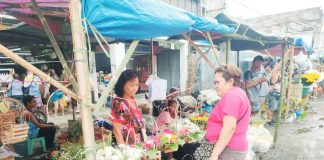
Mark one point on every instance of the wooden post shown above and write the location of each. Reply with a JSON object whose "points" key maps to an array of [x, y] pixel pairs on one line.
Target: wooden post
{"points": [[213, 48], [115, 77], [200, 52], [55, 45], [282, 90], [82, 71], [35, 70], [290, 72], [228, 50]]}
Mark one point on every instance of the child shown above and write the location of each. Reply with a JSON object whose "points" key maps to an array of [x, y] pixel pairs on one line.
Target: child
{"points": [[167, 114], [165, 118]]}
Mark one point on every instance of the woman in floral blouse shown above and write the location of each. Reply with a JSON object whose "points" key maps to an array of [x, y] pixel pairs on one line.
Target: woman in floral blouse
{"points": [[125, 115]]}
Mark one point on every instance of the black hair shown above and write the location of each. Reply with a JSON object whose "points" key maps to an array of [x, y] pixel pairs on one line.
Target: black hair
{"points": [[271, 63], [173, 89], [28, 99], [167, 108], [171, 101], [258, 58], [125, 76]]}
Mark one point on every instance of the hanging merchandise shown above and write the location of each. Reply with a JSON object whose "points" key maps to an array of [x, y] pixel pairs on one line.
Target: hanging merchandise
{"points": [[157, 88], [301, 61]]}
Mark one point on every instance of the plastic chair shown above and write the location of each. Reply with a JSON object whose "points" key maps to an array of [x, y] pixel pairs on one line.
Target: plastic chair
{"points": [[30, 144]]}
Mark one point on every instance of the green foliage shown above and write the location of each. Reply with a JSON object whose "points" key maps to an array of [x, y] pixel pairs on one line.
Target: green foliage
{"points": [[75, 129], [152, 153], [69, 151]]}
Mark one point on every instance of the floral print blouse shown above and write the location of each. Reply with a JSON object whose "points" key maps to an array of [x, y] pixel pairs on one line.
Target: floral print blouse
{"points": [[130, 118]]}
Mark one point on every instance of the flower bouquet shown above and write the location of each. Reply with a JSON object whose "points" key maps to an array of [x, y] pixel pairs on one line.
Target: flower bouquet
{"points": [[169, 140], [200, 120], [309, 78], [120, 152], [208, 97], [151, 148], [187, 130]]}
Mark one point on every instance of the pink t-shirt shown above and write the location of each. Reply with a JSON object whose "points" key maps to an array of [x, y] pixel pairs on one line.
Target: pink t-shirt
{"points": [[164, 118], [234, 103]]}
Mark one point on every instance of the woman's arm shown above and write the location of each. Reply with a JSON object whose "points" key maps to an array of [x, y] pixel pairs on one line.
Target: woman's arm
{"points": [[117, 132], [47, 86], [229, 125]]}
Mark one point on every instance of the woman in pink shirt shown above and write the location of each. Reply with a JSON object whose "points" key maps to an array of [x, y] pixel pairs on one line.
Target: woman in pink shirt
{"points": [[229, 120]]}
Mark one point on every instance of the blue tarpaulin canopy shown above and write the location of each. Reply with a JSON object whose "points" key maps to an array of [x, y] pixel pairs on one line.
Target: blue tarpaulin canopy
{"points": [[144, 19]]}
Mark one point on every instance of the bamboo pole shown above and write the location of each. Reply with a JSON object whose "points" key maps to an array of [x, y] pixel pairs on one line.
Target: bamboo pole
{"points": [[199, 51], [55, 45], [35, 70], [82, 70], [213, 48], [204, 53], [228, 50], [290, 72], [282, 90], [120, 69]]}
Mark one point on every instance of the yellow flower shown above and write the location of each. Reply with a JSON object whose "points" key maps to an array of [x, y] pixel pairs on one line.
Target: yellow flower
{"points": [[311, 77]]}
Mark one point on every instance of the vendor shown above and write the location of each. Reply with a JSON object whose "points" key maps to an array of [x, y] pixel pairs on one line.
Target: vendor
{"points": [[37, 129], [125, 115]]}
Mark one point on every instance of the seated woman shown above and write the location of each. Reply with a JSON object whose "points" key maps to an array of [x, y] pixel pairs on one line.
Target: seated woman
{"points": [[125, 115], [166, 117], [37, 129], [168, 114]]}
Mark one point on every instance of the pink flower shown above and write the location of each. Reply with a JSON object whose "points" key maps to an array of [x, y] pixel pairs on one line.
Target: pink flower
{"points": [[184, 132], [168, 131], [148, 145]]}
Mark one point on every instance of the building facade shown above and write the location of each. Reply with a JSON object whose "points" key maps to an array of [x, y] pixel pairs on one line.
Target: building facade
{"points": [[307, 24]]}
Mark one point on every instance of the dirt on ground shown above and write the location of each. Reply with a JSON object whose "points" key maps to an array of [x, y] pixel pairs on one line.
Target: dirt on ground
{"points": [[301, 140]]}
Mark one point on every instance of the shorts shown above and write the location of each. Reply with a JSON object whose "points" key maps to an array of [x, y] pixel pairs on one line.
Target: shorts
{"points": [[57, 96], [321, 84], [255, 107], [262, 100], [273, 102]]}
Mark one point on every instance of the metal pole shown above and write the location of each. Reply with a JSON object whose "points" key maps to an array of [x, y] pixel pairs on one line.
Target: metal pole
{"points": [[55, 45], [153, 71], [35, 70], [228, 50], [82, 70], [238, 59], [282, 90]]}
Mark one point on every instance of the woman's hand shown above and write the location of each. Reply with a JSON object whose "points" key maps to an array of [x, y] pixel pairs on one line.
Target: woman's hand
{"points": [[213, 157], [56, 127]]}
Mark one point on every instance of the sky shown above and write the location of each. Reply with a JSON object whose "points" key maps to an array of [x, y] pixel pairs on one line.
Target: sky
{"points": [[254, 8]]}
